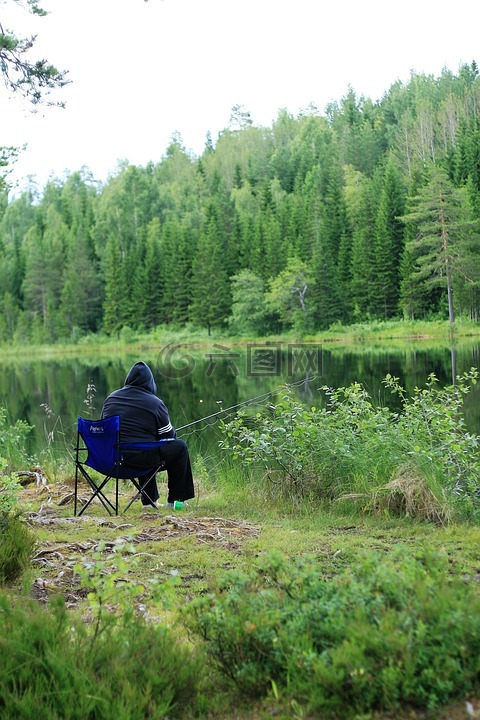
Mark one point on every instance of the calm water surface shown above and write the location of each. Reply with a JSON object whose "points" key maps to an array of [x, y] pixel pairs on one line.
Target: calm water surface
{"points": [[51, 394]]}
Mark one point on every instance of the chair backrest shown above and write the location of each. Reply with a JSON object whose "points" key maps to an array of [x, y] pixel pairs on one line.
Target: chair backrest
{"points": [[101, 440]]}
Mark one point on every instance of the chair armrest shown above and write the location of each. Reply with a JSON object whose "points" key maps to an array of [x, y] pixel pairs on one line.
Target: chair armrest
{"points": [[144, 445]]}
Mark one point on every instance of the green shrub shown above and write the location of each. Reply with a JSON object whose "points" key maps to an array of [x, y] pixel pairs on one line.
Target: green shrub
{"points": [[353, 448], [16, 547], [434, 432], [55, 667], [9, 489], [386, 635], [13, 438]]}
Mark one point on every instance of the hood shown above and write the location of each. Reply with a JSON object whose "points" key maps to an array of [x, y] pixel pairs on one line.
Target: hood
{"points": [[140, 375]]}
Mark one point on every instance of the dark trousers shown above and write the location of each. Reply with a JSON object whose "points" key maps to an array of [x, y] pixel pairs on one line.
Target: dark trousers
{"points": [[179, 471]]}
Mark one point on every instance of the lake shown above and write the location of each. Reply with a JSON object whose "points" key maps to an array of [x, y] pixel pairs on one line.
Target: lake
{"points": [[51, 393]]}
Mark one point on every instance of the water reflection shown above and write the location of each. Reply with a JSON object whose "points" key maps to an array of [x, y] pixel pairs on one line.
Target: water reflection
{"points": [[51, 394]]}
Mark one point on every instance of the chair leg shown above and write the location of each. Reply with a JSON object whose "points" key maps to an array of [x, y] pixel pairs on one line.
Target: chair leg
{"points": [[109, 507], [140, 489], [97, 492], [76, 491]]}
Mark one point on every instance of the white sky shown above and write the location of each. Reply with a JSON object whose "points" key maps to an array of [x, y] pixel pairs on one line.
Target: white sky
{"points": [[142, 70]]}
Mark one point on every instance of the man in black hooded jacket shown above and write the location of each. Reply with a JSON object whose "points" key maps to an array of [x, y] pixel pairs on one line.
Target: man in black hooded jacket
{"points": [[144, 418]]}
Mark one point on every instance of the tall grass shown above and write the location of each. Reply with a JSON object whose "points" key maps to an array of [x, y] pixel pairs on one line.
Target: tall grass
{"points": [[54, 666], [16, 547]]}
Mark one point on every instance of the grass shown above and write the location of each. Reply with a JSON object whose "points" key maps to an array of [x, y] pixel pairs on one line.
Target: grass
{"points": [[231, 527], [391, 331], [234, 525], [199, 544]]}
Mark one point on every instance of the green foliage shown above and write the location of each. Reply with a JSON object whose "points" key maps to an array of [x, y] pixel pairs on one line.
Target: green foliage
{"points": [[16, 547], [210, 290], [249, 315], [117, 665], [13, 437], [289, 296], [54, 666], [389, 243], [442, 235], [9, 489], [338, 215], [434, 432], [352, 447], [382, 635], [32, 80]]}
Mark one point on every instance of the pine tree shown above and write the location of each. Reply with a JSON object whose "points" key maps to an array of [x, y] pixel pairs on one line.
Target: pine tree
{"points": [[326, 224], [154, 278], [177, 247], [360, 210], [389, 238], [211, 300], [17, 219], [81, 297], [43, 281], [443, 232], [114, 303]]}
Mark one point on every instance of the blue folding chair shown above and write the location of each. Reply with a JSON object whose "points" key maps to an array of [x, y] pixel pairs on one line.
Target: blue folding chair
{"points": [[100, 439]]}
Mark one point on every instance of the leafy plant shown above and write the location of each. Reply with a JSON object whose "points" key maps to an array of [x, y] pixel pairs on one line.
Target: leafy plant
{"points": [[13, 438], [356, 450], [9, 489], [382, 635], [52, 669], [434, 431], [117, 665]]}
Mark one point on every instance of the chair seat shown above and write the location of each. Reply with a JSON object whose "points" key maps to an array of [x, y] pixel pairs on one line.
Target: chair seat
{"points": [[100, 440]]}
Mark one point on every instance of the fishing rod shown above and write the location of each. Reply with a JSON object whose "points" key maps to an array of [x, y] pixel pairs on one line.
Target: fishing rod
{"points": [[246, 402]]}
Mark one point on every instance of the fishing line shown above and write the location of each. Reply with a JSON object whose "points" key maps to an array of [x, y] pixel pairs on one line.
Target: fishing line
{"points": [[256, 399]]}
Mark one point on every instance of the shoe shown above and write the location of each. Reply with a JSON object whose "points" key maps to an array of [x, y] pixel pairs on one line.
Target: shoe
{"points": [[179, 505], [151, 506]]}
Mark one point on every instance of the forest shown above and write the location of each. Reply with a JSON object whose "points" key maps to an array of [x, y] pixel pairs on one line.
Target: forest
{"points": [[369, 210]]}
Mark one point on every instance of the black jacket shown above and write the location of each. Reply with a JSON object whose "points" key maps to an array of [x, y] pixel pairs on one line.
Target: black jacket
{"points": [[143, 416]]}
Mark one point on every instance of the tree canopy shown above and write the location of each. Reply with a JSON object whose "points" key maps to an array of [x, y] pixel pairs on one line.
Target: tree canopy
{"points": [[32, 79], [318, 219]]}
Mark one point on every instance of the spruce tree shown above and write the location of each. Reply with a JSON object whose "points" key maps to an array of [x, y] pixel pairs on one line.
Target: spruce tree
{"points": [[442, 235], [211, 299], [177, 247], [154, 278], [81, 297], [44, 269], [114, 305], [389, 239]]}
